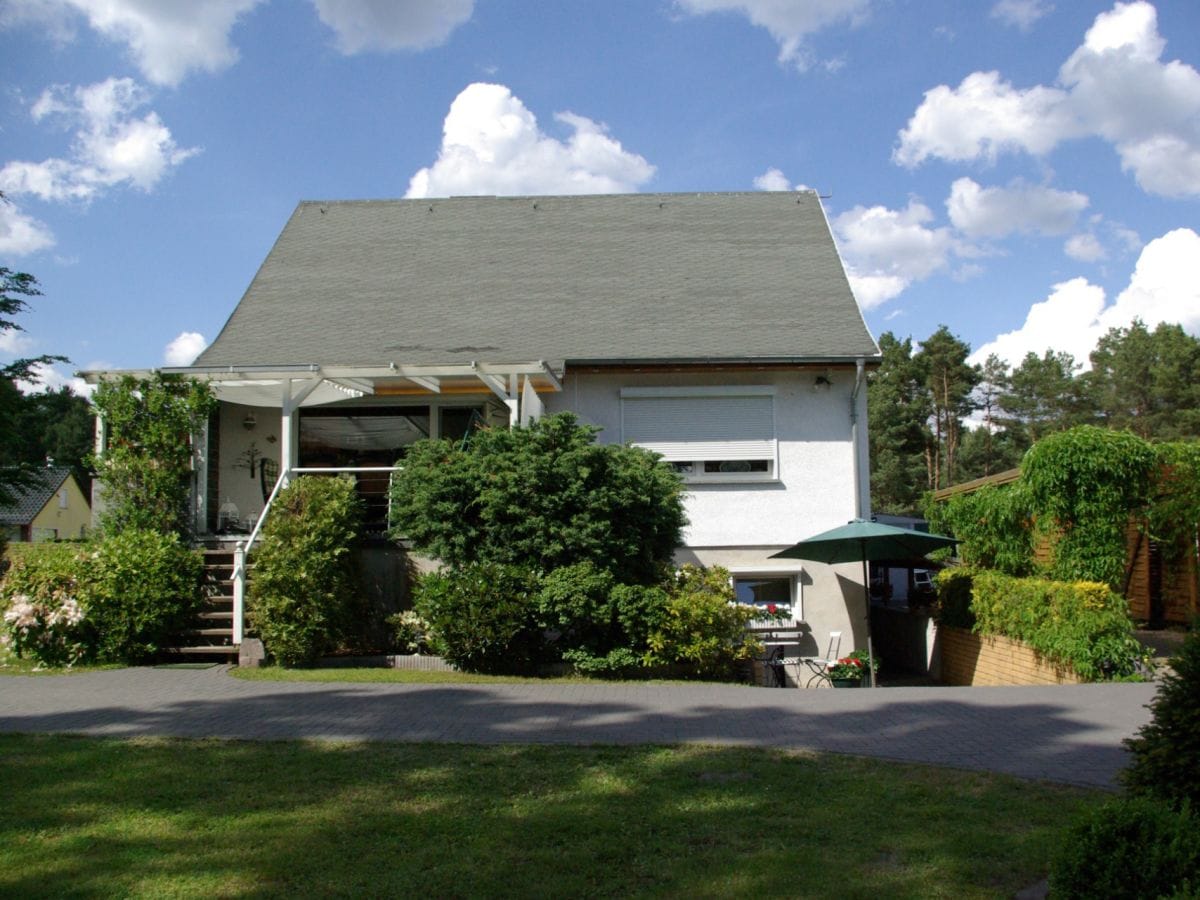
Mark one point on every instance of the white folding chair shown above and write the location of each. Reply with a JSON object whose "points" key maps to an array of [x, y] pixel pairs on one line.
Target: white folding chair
{"points": [[819, 665]]}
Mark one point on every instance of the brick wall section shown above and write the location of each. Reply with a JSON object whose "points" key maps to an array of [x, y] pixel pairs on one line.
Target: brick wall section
{"points": [[975, 660]]}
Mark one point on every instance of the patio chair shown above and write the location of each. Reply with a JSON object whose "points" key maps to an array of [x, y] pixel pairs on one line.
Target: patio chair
{"points": [[772, 667], [819, 665]]}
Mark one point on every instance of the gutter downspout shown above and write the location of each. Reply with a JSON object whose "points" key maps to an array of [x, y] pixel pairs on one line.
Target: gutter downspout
{"points": [[859, 512], [856, 439]]}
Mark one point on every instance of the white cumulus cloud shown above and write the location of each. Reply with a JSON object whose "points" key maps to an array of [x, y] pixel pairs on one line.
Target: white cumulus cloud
{"points": [[111, 145], [392, 24], [1084, 247], [492, 144], [886, 250], [1021, 13], [772, 180], [183, 350], [1113, 86], [789, 22], [21, 234], [166, 38], [1164, 287], [994, 212], [51, 378]]}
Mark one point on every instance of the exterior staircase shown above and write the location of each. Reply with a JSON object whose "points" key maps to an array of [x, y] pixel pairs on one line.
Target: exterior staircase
{"points": [[212, 636]]}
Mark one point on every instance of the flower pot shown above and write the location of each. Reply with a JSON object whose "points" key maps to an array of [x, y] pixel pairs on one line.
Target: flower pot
{"points": [[846, 682]]}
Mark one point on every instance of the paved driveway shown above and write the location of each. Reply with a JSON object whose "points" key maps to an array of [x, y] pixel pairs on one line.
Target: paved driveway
{"points": [[1069, 734]]}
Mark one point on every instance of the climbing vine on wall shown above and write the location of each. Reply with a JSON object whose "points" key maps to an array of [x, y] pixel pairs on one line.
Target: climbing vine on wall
{"points": [[145, 470]]}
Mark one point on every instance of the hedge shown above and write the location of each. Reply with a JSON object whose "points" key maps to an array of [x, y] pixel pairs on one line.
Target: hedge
{"points": [[1080, 624]]}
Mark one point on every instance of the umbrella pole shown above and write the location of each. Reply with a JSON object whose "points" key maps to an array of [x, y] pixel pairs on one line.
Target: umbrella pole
{"points": [[867, 598]]}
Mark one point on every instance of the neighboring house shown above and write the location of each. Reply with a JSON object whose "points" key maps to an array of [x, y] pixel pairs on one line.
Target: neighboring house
{"points": [[717, 329], [51, 507]]}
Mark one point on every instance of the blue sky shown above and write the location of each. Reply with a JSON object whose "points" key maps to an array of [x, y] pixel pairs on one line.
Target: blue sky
{"points": [[1025, 172]]}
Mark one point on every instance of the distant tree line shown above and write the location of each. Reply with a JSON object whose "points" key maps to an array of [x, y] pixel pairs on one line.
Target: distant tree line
{"points": [[36, 429], [1143, 381]]}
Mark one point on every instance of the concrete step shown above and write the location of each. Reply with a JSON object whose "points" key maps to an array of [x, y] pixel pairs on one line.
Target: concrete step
{"points": [[224, 650]]}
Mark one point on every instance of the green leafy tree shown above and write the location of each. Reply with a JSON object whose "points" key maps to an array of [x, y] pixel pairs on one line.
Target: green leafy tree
{"points": [[992, 447], [545, 496], [1044, 395], [15, 288], [898, 409], [146, 468], [950, 381], [1148, 382]]}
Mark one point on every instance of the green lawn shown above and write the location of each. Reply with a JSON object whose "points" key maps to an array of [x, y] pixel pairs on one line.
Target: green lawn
{"points": [[85, 817]]}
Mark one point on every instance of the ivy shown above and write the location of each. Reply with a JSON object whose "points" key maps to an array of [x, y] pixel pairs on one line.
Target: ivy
{"points": [[1084, 485], [145, 470], [994, 524]]}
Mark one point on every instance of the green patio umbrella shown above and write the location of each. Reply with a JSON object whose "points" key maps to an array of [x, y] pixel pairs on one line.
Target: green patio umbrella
{"points": [[862, 541]]}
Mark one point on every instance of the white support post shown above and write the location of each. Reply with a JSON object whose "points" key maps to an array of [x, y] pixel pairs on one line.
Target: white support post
{"points": [[514, 404], [239, 591]]}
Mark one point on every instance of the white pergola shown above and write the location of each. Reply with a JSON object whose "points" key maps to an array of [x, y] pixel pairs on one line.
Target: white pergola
{"points": [[291, 388]]}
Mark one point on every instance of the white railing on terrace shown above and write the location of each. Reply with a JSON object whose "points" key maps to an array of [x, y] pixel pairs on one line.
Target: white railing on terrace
{"points": [[242, 551]]}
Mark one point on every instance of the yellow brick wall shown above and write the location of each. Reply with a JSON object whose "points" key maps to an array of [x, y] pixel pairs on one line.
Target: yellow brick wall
{"points": [[971, 659]]}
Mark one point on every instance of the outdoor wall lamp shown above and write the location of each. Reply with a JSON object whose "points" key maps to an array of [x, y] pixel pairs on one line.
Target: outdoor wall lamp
{"points": [[249, 422]]}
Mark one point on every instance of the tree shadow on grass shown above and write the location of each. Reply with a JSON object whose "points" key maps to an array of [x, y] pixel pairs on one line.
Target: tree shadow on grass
{"points": [[90, 817]]}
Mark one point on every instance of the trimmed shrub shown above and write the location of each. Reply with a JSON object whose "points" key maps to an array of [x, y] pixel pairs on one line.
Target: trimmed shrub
{"points": [[43, 617], [141, 589], [1166, 751], [1130, 848], [545, 496], [619, 663], [119, 599], [576, 603], [411, 633], [954, 598], [1083, 625], [703, 626], [484, 617], [304, 599]]}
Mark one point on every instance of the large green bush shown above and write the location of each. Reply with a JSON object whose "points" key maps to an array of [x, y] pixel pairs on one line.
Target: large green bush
{"points": [[545, 496], [1129, 849], [1083, 625], [484, 617], [142, 590], [304, 599], [1166, 751], [44, 618], [702, 625], [122, 598]]}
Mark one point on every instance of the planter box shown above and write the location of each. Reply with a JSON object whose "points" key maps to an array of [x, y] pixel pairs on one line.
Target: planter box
{"points": [[976, 660]]}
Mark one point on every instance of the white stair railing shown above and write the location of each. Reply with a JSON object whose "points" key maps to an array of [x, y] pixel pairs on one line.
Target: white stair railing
{"points": [[241, 552]]}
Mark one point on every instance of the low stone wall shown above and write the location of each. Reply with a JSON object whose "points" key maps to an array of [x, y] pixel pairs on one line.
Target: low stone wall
{"points": [[977, 660]]}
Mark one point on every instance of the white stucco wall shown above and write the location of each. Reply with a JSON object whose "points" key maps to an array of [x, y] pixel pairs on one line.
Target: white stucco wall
{"points": [[815, 486], [739, 526]]}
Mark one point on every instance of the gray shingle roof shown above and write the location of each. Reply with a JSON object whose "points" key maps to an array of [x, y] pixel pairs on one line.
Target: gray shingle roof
{"points": [[29, 500], [637, 277]]}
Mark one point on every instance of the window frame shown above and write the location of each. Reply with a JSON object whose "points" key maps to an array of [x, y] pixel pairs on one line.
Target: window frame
{"points": [[792, 576]]}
